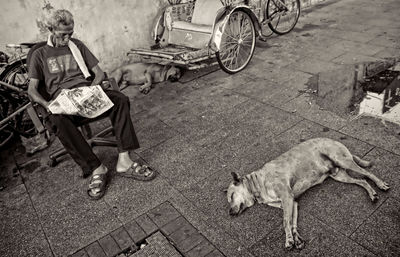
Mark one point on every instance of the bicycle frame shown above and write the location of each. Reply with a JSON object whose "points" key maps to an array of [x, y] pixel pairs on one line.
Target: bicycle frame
{"points": [[18, 58]]}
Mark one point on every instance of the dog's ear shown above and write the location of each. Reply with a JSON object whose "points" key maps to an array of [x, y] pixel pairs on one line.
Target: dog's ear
{"points": [[236, 177]]}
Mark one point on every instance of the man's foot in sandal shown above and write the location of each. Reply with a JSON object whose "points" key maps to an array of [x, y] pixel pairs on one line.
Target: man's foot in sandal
{"points": [[138, 172], [98, 185]]}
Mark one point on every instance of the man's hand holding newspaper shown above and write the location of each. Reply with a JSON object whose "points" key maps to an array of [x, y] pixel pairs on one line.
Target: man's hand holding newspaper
{"points": [[89, 102]]}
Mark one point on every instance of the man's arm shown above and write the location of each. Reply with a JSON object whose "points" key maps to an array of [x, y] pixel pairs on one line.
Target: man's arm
{"points": [[34, 94], [98, 75]]}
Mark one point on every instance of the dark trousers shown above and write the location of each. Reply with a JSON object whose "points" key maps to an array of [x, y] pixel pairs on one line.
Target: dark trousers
{"points": [[65, 128]]}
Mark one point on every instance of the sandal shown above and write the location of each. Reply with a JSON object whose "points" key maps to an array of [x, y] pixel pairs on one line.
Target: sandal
{"points": [[98, 181], [139, 172]]}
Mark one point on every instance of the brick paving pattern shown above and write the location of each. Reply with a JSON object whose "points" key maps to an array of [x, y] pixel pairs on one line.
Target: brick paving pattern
{"points": [[163, 230]]}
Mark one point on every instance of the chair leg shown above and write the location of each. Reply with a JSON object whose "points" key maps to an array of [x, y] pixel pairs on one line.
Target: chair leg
{"points": [[96, 140]]}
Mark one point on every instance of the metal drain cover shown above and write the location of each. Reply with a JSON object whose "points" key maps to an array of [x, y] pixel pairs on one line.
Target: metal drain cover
{"points": [[157, 246]]}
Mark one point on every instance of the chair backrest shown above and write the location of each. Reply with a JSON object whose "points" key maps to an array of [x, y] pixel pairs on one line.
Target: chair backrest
{"points": [[205, 11], [42, 86]]}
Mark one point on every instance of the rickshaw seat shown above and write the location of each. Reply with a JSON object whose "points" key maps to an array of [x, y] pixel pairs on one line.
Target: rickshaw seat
{"points": [[195, 34], [192, 27]]}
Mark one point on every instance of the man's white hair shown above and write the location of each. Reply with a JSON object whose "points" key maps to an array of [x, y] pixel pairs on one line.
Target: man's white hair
{"points": [[57, 18]]}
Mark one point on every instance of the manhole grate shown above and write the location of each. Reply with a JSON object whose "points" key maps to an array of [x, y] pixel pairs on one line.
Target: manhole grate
{"points": [[157, 246]]}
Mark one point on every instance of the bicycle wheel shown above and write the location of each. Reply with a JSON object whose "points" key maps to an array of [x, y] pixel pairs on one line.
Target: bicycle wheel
{"points": [[237, 43], [17, 75], [283, 14]]}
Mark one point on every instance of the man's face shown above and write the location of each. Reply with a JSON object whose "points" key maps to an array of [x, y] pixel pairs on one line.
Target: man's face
{"points": [[62, 34]]}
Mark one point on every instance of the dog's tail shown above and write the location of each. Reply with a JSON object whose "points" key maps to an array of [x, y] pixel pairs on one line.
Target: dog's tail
{"points": [[361, 162]]}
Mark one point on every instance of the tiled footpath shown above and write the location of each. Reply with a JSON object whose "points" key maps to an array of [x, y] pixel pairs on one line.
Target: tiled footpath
{"points": [[195, 132], [162, 222]]}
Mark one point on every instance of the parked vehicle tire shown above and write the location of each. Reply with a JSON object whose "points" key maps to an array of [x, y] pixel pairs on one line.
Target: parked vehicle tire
{"points": [[237, 43]]}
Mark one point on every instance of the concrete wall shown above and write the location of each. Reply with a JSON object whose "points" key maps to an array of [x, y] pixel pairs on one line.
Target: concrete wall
{"points": [[110, 28]]}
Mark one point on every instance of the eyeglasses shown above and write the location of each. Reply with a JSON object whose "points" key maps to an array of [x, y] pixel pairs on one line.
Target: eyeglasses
{"points": [[63, 34]]}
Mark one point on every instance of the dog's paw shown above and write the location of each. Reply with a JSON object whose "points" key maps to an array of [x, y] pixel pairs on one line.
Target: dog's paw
{"points": [[374, 197], [298, 241], [289, 244], [384, 186], [144, 90]]}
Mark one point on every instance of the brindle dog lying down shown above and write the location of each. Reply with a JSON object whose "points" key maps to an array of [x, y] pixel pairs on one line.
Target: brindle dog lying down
{"points": [[279, 182]]}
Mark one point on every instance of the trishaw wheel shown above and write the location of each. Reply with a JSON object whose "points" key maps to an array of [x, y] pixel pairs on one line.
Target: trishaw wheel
{"points": [[283, 15], [17, 75], [237, 43]]}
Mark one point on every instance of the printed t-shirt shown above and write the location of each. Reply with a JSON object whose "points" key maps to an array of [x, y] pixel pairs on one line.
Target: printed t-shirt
{"points": [[57, 67]]}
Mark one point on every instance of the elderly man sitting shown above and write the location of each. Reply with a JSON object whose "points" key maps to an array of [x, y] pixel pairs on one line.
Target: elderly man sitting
{"points": [[57, 65]]}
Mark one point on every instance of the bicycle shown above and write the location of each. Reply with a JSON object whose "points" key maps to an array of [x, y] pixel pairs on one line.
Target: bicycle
{"points": [[14, 101], [287, 10]]}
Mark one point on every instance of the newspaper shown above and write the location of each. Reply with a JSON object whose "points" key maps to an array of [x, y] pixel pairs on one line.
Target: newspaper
{"points": [[89, 102]]}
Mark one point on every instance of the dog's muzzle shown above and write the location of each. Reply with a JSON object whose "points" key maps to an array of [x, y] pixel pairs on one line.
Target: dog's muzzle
{"points": [[234, 211]]}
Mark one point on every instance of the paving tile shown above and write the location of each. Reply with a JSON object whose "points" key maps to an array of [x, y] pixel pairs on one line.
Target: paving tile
{"points": [[146, 224], [182, 233], [248, 227], [209, 227], [306, 107], [358, 48], [155, 134], [122, 238], [81, 253], [320, 240], [110, 247], [182, 162], [190, 242], [21, 233], [352, 58], [44, 184], [332, 200], [215, 253], [174, 225], [380, 232], [95, 250], [201, 250], [312, 65], [373, 131], [135, 231], [386, 41], [216, 98], [138, 197], [66, 230], [163, 214], [305, 130], [274, 93], [386, 167]]}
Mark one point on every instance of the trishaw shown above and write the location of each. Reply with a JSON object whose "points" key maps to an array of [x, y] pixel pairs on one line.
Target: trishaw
{"points": [[202, 33]]}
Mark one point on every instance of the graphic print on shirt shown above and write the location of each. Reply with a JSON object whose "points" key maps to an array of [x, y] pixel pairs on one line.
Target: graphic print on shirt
{"points": [[62, 63]]}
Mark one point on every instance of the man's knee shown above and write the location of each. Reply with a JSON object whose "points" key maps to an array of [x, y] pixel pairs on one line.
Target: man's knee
{"points": [[119, 98], [55, 122]]}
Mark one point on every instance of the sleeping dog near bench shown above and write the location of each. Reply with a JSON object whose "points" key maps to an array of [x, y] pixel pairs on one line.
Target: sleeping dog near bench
{"points": [[279, 182], [145, 75]]}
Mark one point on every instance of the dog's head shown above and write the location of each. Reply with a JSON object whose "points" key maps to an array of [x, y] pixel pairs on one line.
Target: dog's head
{"points": [[174, 74], [239, 196]]}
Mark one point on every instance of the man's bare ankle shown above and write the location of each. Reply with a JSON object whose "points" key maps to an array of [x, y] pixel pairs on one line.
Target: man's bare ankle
{"points": [[100, 170]]}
